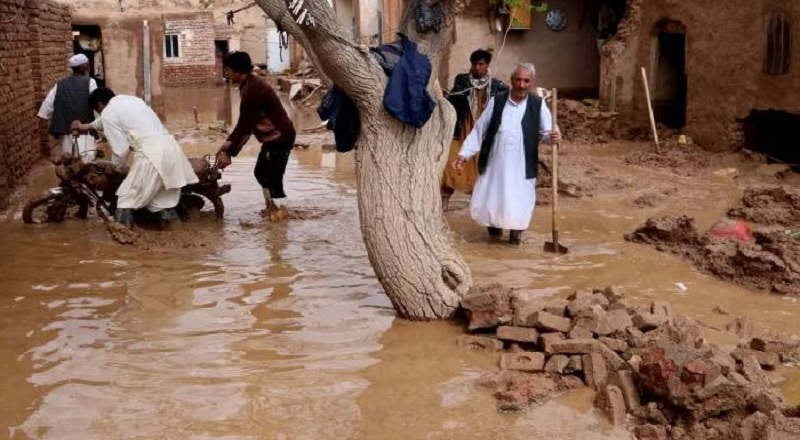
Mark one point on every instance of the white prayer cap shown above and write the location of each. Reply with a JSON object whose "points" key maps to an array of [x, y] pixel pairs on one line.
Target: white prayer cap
{"points": [[78, 60]]}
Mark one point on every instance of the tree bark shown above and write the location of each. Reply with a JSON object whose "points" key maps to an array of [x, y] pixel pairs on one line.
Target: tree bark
{"points": [[399, 167]]}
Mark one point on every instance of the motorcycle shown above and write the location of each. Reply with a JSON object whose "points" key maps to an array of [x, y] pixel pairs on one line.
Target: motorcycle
{"points": [[84, 185]]}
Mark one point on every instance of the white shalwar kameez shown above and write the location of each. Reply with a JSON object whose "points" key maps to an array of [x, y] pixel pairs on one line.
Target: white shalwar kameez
{"points": [[503, 198], [86, 143], [161, 168]]}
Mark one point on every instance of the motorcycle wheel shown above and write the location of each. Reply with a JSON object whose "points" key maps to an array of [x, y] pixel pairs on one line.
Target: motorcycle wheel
{"points": [[213, 197], [51, 208]]}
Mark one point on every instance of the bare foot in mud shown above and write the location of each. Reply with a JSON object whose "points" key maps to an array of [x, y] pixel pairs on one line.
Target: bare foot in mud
{"points": [[121, 233]]}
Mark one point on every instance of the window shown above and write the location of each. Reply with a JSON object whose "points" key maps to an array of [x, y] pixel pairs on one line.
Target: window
{"points": [[171, 46], [779, 45]]}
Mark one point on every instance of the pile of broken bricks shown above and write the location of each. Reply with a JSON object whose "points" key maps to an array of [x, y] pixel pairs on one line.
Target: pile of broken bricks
{"points": [[651, 370]]}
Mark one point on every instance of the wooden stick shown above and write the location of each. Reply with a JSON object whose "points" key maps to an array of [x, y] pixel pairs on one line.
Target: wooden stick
{"points": [[555, 171], [650, 110]]}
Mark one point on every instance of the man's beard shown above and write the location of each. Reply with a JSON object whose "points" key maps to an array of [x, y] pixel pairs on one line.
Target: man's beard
{"points": [[519, 94]]}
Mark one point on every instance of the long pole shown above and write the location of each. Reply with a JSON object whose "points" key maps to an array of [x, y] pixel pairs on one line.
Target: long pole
{"points": [[650, 110], [146, 62], [555, 146]]}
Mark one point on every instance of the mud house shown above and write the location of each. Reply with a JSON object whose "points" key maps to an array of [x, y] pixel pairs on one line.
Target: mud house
{"points": [[726, 73], [188, 38], [559, 36], [185, 41]]}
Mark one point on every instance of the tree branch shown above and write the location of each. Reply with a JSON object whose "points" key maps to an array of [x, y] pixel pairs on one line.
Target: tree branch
{"points": [[433, 44]]}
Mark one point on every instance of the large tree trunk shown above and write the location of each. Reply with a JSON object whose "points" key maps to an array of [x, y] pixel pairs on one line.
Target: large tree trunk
{"points": [[399, 167]]}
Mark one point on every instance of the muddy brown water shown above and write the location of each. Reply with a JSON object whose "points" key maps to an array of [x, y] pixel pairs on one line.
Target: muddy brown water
{"points": [[281, 331]]}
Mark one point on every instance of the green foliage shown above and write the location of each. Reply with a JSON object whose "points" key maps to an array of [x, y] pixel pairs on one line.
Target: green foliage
{"points": [[206, 3]]}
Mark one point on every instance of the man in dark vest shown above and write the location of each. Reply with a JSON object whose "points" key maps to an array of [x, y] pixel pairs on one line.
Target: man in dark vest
{"points": [[469, 96], [68, 101], [507, 137]]}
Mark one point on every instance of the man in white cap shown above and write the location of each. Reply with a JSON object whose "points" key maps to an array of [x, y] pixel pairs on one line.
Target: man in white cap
{"points": [[68, 101]]}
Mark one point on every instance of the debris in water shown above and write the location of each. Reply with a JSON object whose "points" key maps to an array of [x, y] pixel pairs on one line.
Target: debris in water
{"points": [[643, 362]]}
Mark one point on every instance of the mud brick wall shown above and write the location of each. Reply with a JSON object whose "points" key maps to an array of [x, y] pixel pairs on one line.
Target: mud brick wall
{"points": [[725, 52], [186, 76], [35, 42], [195, 63]]}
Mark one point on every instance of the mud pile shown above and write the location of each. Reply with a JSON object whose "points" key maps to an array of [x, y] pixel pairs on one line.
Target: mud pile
{"points": [[577, 178], [680, 160], [771, 261], [654, 198], [770, 205], [651, 369], [585, 124]]}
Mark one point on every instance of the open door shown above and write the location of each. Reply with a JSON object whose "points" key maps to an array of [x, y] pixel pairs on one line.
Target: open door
{"points": [[88, 40], [221, 48], [670, 97]]}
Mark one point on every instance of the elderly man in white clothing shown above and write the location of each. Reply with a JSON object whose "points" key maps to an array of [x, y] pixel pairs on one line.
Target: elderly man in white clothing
{"points": [[67, 101], [161, 168], [507, 137]]}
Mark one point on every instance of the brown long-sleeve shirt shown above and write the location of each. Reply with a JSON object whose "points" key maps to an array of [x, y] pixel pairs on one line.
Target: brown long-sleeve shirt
{"points": [[260, 112]]}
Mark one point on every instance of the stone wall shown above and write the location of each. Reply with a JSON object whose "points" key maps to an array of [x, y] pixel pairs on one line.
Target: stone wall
{"points": [[195, 64], [726, 48], [34, 47]]}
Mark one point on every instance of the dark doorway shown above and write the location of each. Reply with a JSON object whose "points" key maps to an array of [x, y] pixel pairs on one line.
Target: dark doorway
{"points": [[669, 102], [221, 48], [88, 40], [774, 133]]}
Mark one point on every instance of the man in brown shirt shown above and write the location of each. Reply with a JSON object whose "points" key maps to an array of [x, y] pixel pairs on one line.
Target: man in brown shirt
{"points": [[262, 115]]}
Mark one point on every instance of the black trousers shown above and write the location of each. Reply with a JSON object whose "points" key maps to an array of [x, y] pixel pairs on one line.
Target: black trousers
{"points": [[271, 166]]}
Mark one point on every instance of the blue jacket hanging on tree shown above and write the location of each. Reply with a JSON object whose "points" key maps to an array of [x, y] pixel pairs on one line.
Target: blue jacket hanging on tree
{"points": [[406, 97]]}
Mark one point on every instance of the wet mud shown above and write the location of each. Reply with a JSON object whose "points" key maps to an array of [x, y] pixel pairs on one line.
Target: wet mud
{"points": [[581, 123], [684, 161], [771, 262], [770, 206], [281, 330], [578, 177]]}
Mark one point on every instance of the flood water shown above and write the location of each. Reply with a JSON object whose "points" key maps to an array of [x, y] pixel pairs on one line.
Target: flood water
{"points": [[281, 331]]}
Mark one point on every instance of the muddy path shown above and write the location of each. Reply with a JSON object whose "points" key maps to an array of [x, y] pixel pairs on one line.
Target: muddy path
{"points": [[280, 331]]}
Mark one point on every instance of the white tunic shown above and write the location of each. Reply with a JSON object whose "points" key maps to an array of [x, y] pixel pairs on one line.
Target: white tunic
{"points": [[86, 143], [161, 168], [503, 197]]}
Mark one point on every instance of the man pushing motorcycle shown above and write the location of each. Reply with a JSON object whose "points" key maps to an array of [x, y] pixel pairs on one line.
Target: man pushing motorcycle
{"points": [[160, 168]]}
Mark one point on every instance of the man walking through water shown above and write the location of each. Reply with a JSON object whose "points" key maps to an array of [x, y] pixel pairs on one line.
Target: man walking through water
{"points": [[262, 115], [469, 96], [161, 168], [68, 101], [507, 137]]}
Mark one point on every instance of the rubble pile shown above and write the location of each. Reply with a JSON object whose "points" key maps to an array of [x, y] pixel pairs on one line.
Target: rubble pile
{"points": [[771, 261], [651, 369], [769, 205], [585, 124]]}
